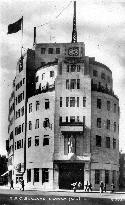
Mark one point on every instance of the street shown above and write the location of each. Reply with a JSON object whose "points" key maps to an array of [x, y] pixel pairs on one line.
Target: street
{"points": [[34, 197]]}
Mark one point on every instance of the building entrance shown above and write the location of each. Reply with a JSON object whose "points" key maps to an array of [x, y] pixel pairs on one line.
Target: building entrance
{"points": [[70, 173]]}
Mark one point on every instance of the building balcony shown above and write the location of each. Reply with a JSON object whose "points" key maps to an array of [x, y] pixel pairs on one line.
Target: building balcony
{"points": [[102, 89], [71, 124], [72, 157]]}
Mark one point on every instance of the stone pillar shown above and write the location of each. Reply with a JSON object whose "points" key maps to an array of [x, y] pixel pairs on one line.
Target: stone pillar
{"points": [[56, 177], [87, 172]]}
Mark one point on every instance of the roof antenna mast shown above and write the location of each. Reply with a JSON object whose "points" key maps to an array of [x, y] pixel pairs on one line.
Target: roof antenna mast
{"points": [[74, 32]]}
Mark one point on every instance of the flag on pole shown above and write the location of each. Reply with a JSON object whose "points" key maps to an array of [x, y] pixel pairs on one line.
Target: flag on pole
{"points": [[15, 27]]}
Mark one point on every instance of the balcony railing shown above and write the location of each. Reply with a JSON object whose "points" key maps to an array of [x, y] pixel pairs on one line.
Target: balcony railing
{"points": [[100, 88], [71, 124]]}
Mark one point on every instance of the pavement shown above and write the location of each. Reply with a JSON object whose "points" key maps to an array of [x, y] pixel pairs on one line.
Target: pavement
{"points": [[59, 197]]}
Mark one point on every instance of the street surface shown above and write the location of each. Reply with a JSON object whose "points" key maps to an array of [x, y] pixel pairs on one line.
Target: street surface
{"points": [[66, 197]]}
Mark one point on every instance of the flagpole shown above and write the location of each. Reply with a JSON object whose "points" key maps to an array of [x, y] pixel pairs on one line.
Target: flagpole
{"points": [[22, 38]]}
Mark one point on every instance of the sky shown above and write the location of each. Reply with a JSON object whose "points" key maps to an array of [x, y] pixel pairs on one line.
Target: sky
{"points": [[100, 25]]}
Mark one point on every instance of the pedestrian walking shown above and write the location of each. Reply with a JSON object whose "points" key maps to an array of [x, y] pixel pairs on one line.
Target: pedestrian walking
{"points": [[90, 186], [11, 184], [101, 187], [86, 185], [105, 187], [112, 187], [22, 185]]}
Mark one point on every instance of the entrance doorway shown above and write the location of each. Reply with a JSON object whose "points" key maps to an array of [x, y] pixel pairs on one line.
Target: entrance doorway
{"points": [[70, 173]]}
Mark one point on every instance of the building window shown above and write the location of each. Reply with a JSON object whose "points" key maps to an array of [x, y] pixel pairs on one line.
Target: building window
{"points": [[107, 142], [99, 122], [114, 126], [106, 176], [103, 76], [51, 73], [98, 141], [50, 51], [46, 140], [60, 119], [99, 103], [22, 110], [29, 142], [46, 123], [108, 105], [77, 101], [66, 118], [37, 124], [67, 83], [78, 68], [72, 84], [30, 125], [67, 101], [72, 119], [43, 74], [77, 118], [73, 68], [84, 101], [43, 50], [23, 80], [57, 50], [37, 105], [67, 68], [95, 73], [46, 104], [60, 101], [78, 83], [28, 175], [97, 176], [108, 124], [15, 145], [30, 107], [72, 101], [114, 143], [45, 175], [22, 127], [114, 108], [36, 174], [36, 140]]}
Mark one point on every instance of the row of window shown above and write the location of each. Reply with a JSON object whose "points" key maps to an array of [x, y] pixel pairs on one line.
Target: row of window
{"points": [[20, 84], [73, 68], [72, 83], [72, 101], [45, 175], [19, 144], [107, 174], [46, 123], [20, 98], [108, 124], [47, 105], [20, 112], [107, 142], [50, 50], [45, 141], [19, 129], [103, 76], [73, 119], [108, 105]]}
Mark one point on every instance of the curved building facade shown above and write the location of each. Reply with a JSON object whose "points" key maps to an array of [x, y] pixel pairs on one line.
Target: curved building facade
{"points": [[63, 119]]}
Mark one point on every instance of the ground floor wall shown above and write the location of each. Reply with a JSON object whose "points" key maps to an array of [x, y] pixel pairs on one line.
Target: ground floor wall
{"points": [[61, 174]]}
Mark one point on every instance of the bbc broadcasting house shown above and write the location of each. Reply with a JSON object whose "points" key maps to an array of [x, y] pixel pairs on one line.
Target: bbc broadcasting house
{"points": [[63, 119]]}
